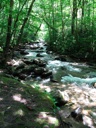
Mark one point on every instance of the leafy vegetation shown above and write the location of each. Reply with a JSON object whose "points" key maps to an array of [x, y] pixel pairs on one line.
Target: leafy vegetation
{"points": [[68, 26]]}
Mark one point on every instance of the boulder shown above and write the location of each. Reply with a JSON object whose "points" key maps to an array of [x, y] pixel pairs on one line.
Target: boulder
{"points": [[40, 70], [94, 85], [39, 55], [46, 74], [28, 69], [16, 73], [22, 76], [41, 48], [80, 110], [21, 66], [23, 52], [14, 62], [39, 62], [77, 114], [61, 97], [42, 64], [34, 46], [52, 79], [62, 58], [36, 61], [28, 62]]}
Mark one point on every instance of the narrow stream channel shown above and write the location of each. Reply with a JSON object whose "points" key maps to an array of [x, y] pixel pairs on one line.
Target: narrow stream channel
{"points": [[79, 74], [69, 81]]}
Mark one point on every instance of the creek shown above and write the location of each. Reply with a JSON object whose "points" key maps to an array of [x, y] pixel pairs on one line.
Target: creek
{"points": [[70, 82], [65, 72]]}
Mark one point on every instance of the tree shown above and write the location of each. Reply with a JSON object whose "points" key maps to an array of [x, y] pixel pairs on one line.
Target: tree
{"points": [[67, 25], [12, 29], [8, 36], [24, 22]]}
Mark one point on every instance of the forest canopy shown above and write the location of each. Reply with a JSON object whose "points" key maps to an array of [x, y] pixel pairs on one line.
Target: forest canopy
{"points": [[68, 26]]}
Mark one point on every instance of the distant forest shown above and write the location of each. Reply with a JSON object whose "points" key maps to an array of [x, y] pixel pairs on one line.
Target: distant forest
{"points": [[68, 26]]}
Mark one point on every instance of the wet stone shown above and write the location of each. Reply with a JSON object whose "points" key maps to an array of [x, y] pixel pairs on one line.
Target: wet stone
{"points": [[28, 62], [46, 74], [24, 52], [22, 76], [39, 55], [94, 85]]}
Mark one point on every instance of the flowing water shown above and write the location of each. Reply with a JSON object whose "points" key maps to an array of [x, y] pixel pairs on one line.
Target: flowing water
{"points": [[74, 82], [65, 72]]}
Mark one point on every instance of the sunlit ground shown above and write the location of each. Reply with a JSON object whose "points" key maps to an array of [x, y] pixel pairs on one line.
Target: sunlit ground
{"points": [[45, 117]]}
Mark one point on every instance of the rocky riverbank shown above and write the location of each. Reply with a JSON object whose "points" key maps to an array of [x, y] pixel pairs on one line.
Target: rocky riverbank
{"points": [[68, 83]]}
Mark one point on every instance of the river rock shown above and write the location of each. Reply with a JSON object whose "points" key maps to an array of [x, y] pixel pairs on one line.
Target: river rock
{"points": [[77, 114], [70, 122], [28, 62], [34, 46], [36, 61], [39, 70], [62, 58], [29, 69], [46, 74], [53, 80], [20, 46], [21, 66], [23, 52], [15, 67], [16, 73], [61, 97], [41, 48], [26, 70], [81, 106], [39, 62], [94, 85], [22, 76], [14, 62], [57, 58], [39, 55], [42, 64]]}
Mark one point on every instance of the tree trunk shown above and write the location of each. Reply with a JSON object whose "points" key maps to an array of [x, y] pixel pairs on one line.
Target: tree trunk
{"points": [[62, 18], [82, 18], [53, 21], [93, 42], [74, 16], [15, 23], [8, 36], [37, 30], [24, 23]]}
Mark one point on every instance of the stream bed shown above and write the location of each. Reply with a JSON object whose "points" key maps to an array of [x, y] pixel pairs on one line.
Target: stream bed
{"points": [[71, 83], [80, 74]]}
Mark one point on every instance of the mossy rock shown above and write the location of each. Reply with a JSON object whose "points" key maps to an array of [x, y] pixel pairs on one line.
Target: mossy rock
{"points": [[22, 106]]}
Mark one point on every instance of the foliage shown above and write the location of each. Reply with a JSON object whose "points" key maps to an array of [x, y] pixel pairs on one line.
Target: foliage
{"points": [[67, 26], [71, 26]]}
